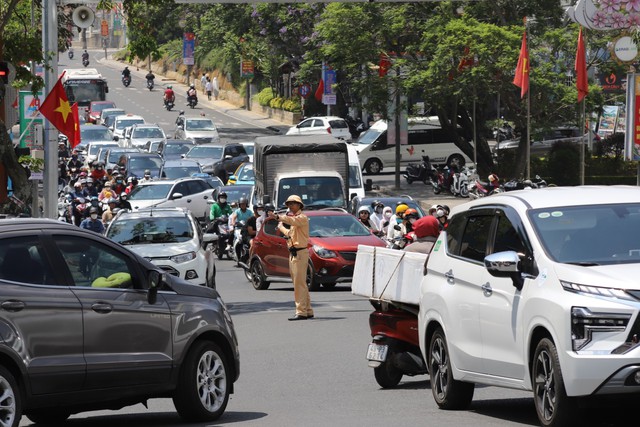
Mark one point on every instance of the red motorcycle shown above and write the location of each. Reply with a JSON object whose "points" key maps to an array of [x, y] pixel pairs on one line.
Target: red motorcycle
{"points": [[394, 350]]}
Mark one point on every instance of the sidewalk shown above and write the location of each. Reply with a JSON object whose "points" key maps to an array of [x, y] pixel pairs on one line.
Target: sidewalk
{"points": [[419, 191]]}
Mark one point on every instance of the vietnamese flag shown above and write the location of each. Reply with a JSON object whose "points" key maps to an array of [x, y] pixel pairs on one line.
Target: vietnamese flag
{"points": [[582, 84], [521, 78], [320, 91], [57, 110]]}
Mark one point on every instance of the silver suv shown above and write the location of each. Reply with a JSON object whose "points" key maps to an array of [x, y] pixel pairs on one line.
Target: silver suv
{"points": [[86, 324]]}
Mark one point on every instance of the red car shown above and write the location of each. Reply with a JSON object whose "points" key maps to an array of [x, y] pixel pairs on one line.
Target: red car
{"points": [[95, 108], [334, 236]]}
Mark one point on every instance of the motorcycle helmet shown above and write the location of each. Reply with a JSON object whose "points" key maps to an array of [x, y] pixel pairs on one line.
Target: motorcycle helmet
{"points": [[123, 196], [442, 211], [411, 213], [169, 87], [192, 86], [93, 210], [401, 208], [89, 181], [269, 208], [130, 180], [364, 209], [243, 201], [376, 203], [222, 195], [77, 184]]}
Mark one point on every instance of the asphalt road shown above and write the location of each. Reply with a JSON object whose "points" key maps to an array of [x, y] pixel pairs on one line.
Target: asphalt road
{"points": [[309, 373]]}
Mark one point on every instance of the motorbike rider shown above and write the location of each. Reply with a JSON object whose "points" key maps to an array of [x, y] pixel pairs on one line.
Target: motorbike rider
{"points": [[132, 182], [150, 77], [220, 208], [93, 223], [169, 95], [242, 213], [90, 190], [85, 55], [396, 228], [63, 153], [119, 185], [192, 93], [147, 176], [98, 173], [251, 227], [376, 215], [442, 215], [267, 208], [74, 162], [387, 213], [126, 73], [364, 216], [106, 192], [124, 202], [426, 231], [109, 213]]}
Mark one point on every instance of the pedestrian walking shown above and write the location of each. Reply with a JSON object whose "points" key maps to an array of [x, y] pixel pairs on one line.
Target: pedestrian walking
{"points": [[215, 88], [203, 81], [209, 88], [295, 228]]}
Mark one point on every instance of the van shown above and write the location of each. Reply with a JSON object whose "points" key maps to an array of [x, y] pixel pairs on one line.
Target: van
{"points": [[356, 183], [425, 138]]}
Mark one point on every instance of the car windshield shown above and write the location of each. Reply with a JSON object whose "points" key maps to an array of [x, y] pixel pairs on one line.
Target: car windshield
{"points": [[112, 113], [205, 152], [589, 235], [246, 174], [147, 133], [369, 136], [200, 125], [316, 192], [151, 162], [96, 108], [336, 226], [234, 193], [121, 124], [95, 133], [150, 192], [177, 148], [94, 148], [151, 230], [175, 172]]}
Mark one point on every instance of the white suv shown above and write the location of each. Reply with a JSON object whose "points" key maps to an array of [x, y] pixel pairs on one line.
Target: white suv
{"points": [[536, 290], [170, 238]]}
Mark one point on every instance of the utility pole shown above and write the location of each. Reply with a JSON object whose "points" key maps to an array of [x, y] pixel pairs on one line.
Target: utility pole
{"points": [[50, 47]]}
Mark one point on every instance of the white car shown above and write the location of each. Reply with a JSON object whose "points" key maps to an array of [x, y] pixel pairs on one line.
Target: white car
{"points": [[190, 193], [171, 239], [536, 290], [122, 122], [200, 130], [334, 126], [138, 135]]}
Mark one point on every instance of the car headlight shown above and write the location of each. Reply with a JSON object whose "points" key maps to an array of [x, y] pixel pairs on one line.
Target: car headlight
{"points": [[323, 252], [584, 323], [179, 259], [597, 291]]}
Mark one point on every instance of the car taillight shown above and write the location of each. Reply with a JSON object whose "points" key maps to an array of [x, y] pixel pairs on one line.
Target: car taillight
{"points": [[329, 129]]}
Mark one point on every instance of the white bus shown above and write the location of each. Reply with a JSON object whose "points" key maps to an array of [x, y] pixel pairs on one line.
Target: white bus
{"points": [[83, 86]]}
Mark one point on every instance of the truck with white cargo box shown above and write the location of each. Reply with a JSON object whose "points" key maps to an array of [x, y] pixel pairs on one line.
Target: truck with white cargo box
{"points": [[315, 167]]}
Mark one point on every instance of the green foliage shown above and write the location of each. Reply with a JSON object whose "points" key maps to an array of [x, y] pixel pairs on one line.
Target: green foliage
{"points": [[292, 104], [564, 163], [33, 164], [265, 96], [276, 102]]}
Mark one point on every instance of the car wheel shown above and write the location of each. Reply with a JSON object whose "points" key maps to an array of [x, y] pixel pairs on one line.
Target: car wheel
{"points": [[373, 166], [447, 392], [455, 161], [553, 406], [257, 276], [204, 385], [464, 190], [312, 283], [48, 417], [10, 399]]}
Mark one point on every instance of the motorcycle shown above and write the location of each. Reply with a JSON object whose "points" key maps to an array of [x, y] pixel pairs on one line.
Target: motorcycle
{"points": [[394, 350], [519, 184], [85, 62], [192, 101], [168, 104], [150, 84], [478, 189], [70, 53], [424, 171], [240, 246], [460, 183], [126, 81], [503, 133], [64, 213], [220, 227]]}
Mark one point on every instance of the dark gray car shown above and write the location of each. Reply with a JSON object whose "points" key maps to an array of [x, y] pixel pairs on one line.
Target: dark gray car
{"points": [[87, 325]]}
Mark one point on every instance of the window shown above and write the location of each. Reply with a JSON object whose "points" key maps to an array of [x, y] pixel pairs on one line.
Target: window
{"points": [[306, 124], [507, 238], [271, 228], [93, 264], [21, 260], [181, 188], [473, 244], [196, 186]]}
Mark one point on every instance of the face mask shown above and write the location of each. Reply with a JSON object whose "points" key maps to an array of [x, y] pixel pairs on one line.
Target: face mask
{"points": [[119, 181], [99, 168], [222, 200], [260, 212], [378, 210], [123, 198], [147, 176], [94, 216], [387, 215], [398, 220]]}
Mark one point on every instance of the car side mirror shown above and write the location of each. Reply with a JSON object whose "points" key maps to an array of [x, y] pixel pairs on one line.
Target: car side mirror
{"points": [[176, 196], [155, 282], [505, 264], [232, 177]]}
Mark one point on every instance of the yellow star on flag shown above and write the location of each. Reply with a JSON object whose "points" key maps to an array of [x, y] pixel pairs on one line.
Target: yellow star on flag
{"points": [[63, 108]]}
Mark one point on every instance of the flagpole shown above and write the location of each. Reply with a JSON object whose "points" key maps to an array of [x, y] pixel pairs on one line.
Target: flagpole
{"points": [[583, 116], [528, 141]]}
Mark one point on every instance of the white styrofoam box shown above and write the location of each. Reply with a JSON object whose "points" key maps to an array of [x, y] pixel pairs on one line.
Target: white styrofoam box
{"points": [[396, 277]]}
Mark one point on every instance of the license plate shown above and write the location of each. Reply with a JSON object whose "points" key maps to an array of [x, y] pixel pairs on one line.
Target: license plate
{"points": [[377, 352]]}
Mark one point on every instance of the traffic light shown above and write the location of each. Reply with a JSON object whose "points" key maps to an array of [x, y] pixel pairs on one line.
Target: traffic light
{"points": [[4, 72]]}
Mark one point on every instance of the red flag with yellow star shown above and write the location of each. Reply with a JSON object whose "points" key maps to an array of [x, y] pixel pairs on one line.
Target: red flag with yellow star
{"points": [[57, 110], [76, 126]]}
